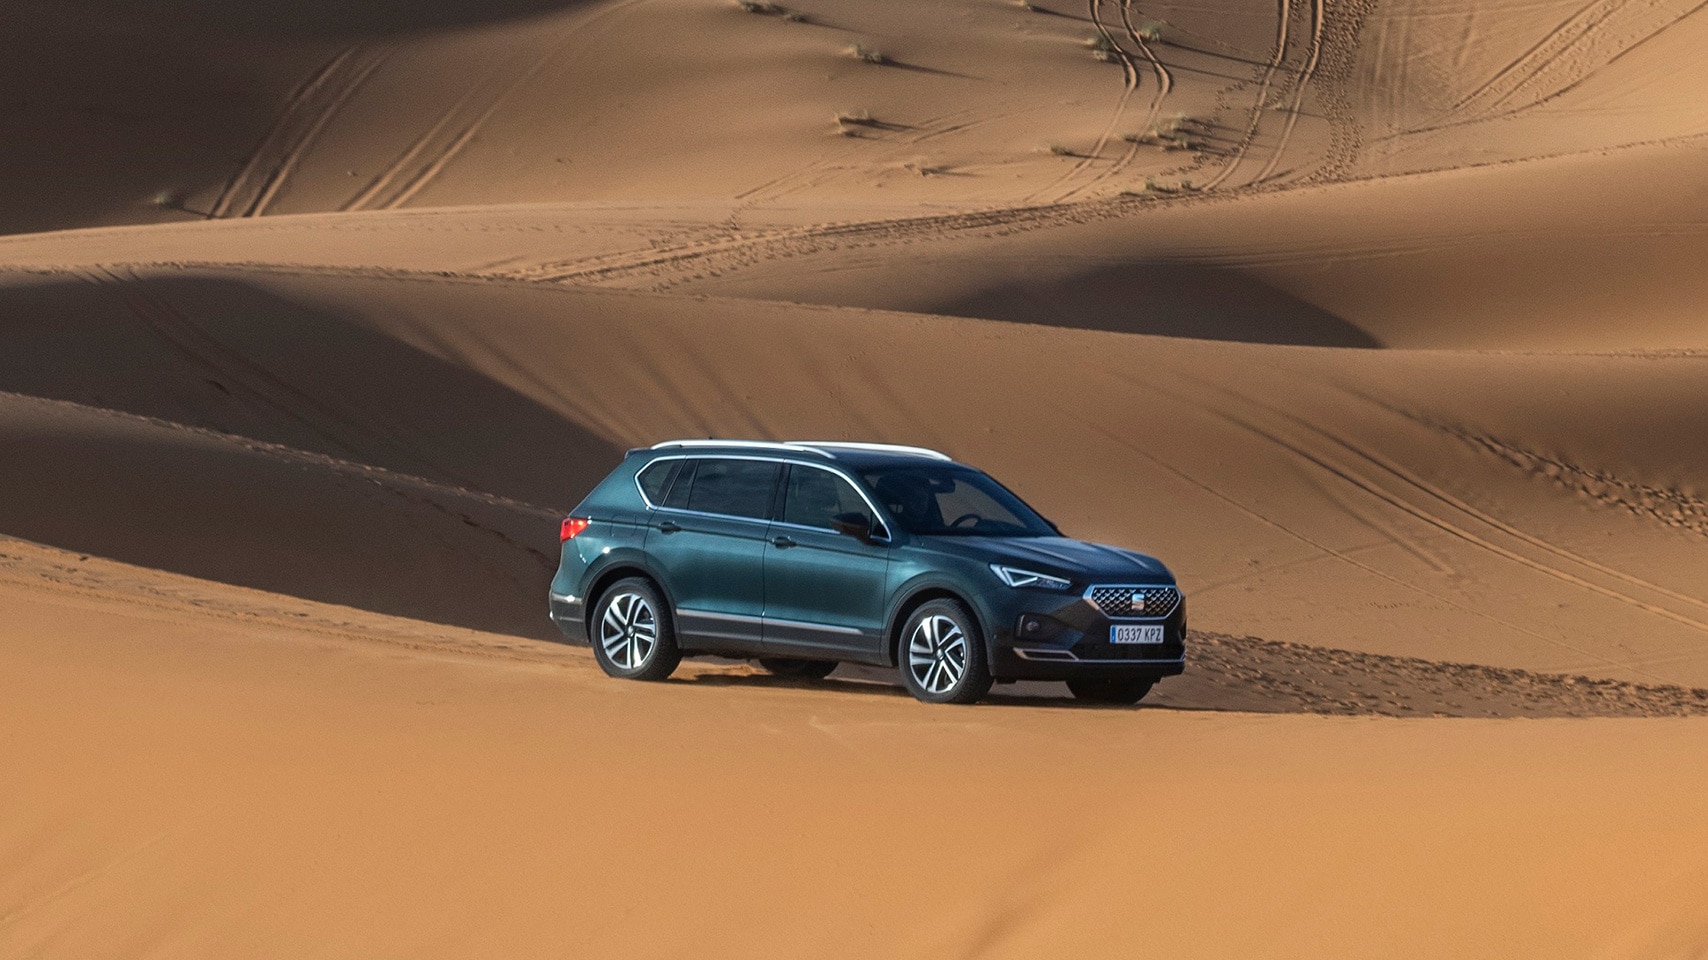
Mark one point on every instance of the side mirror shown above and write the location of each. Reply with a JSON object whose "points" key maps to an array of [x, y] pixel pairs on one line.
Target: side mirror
{"points": [[853, 524]]}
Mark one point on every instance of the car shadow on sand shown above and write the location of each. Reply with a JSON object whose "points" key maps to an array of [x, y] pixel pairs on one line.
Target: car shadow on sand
{"points": [[1248, 675]]}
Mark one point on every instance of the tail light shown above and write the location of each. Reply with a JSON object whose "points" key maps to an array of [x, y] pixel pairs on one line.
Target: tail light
{"points": [[573, 526]]}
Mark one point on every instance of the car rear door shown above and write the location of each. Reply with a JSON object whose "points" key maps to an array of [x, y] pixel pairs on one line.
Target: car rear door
{"points": [[824, 590], [708, 541]]}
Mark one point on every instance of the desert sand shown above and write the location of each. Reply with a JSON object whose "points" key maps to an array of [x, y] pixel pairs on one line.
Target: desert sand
{"points": [[1380, 321]]}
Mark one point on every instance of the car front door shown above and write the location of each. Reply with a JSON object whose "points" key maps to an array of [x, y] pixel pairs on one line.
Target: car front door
{"points": [[824, 590], [708, 540]]}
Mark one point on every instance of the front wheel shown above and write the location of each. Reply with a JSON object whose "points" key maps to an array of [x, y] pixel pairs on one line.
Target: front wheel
{"points": [[942, 655], [633, 635], [1125, 692]]}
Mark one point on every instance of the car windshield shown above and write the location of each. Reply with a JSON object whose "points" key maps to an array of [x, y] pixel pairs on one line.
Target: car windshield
{"points": [[945, 499]]}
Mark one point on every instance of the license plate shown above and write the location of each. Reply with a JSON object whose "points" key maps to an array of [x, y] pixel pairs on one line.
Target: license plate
{"points": [[1135, 633]]}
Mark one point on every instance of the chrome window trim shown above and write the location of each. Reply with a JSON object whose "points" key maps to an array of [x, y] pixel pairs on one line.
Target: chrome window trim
{"points": [[701, 513], [715, 516], [1180, 597], [877, 514], [650, 464], [877, 517]]}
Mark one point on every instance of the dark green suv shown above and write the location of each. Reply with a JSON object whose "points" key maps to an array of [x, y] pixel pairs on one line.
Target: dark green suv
{"points": [[803, 555]]}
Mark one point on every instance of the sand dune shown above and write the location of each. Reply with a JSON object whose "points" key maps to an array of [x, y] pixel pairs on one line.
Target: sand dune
{"points": [[271, 517], [1466, 522], [1380, 322], [968, 102], [316, 782]]}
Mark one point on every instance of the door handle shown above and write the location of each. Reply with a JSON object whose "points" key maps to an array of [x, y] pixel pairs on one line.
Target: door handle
{"points": [[669, 526], [783, 543]]}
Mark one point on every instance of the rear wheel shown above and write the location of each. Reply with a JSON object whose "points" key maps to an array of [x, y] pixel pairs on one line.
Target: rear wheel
{"points": [[942, 655], [806, 669], [634, 637], [1110, 691]]}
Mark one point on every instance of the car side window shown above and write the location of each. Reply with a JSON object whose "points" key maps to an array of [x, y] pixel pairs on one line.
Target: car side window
{"points": [[738, 488], [677, 498], [655, 479], [813, 496]]}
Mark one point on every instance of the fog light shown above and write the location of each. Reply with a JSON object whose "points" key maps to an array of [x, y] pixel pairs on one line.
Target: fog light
{"points": [[1034, 626]]}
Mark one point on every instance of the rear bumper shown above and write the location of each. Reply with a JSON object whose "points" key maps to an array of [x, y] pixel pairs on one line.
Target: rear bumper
{"points": [[571, 618]]}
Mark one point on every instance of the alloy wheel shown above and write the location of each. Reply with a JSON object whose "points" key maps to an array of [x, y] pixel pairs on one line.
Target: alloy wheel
{"points": [[937, 654], [629, 631]]}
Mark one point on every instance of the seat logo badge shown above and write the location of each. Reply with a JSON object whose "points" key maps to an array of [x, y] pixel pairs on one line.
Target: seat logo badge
{"points": [[1138, 602]]}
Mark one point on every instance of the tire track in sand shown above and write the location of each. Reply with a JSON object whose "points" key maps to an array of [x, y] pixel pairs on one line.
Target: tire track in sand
{"points": [[1436, 497], [1301, 85], [1593, 38], [308, 112], [1153, 110], [1344, 556], [1364, 485], [430, 153], [740, 248], [1266, 80], [1129, 83], [253, 383], [1506, 451]]}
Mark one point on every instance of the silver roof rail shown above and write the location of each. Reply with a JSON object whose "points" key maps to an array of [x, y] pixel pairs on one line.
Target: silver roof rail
{"points": [[874, 447], [761, 444]]}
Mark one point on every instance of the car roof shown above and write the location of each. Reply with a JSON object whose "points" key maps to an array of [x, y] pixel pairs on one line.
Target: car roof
{"points": [[844, 453]]}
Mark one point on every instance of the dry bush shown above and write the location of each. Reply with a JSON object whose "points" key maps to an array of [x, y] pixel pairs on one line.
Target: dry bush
{"points": [[865, 54]]}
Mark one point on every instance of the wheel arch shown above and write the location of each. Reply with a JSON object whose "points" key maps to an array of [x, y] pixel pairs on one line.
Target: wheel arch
{"points": [[609, 576], [918, 597]]}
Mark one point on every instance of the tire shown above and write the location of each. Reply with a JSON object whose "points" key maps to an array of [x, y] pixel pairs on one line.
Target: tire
{"points": [[1125, 692], [805, 669], [633, 633], [941, 656]]}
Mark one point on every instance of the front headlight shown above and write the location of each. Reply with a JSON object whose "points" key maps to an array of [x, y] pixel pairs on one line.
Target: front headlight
{"points": [[1016, 577]]}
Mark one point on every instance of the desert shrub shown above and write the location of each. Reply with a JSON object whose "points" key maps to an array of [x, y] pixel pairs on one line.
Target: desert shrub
{"points": [[865, 54], [1151, 31]]}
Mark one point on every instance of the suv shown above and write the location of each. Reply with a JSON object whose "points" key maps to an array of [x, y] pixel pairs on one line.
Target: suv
{"points": [[806, 554]]}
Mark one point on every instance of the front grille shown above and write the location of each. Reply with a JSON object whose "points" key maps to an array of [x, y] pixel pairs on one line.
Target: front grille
{"points": [[1118, 601]]}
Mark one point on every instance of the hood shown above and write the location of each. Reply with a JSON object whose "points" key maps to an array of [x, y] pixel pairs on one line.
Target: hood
{"points": [[1060, 556]]}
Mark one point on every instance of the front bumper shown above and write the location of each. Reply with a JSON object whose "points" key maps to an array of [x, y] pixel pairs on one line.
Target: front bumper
{"points": [[1072, 641]]}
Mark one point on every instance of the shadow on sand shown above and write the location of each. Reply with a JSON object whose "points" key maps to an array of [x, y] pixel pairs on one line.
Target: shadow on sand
{"points": [[1164, 299], [1248, 675], [289, 409], [323, 18]]}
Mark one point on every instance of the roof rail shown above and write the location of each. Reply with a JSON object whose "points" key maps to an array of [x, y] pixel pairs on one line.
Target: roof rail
{"points": [[874, 447], [762, 444]]}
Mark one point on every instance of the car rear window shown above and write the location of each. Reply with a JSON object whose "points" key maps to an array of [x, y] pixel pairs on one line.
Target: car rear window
{"points": [[738, 488], [655, 479]]}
